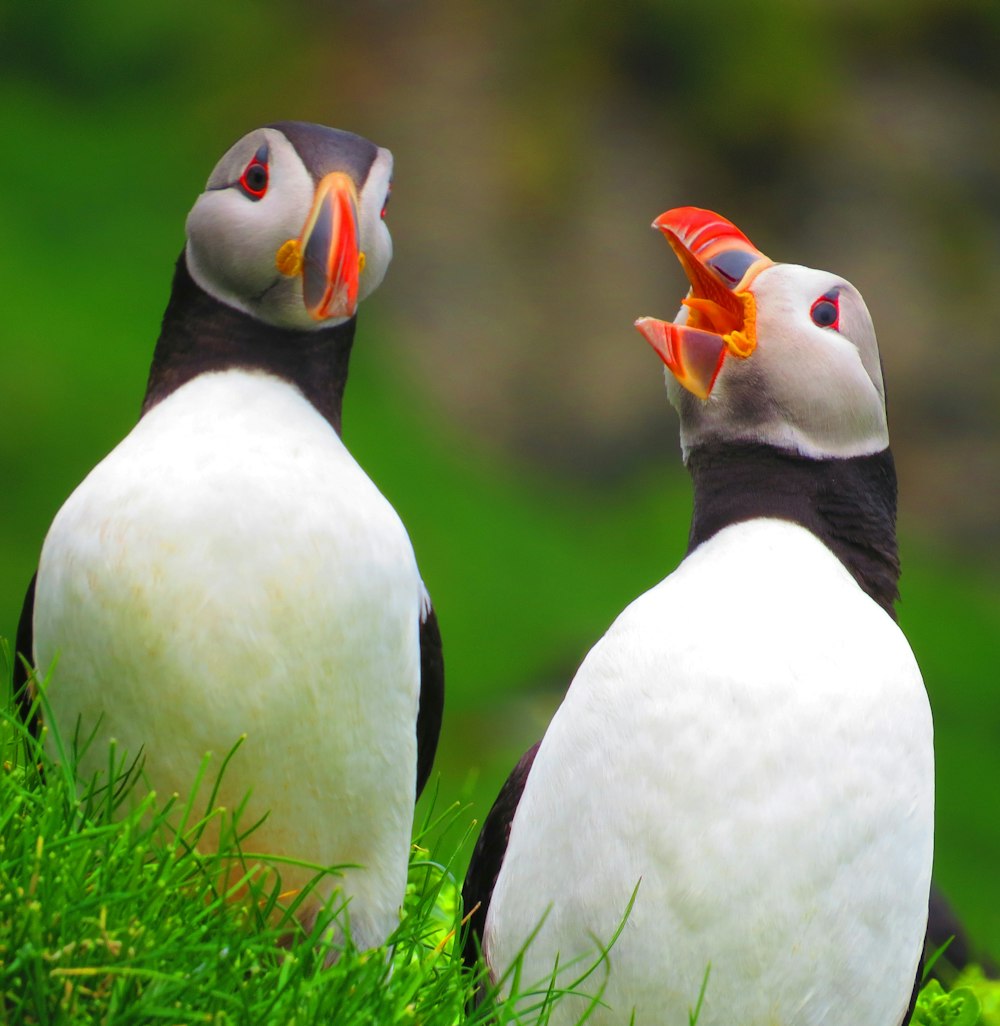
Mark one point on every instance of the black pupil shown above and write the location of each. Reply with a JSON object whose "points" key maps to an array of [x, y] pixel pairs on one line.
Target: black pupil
{"points": [[256, 177], [825, 313]]}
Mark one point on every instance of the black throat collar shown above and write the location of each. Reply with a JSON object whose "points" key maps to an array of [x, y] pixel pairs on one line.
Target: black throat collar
{"points": [[200, 334], [849, 504]]}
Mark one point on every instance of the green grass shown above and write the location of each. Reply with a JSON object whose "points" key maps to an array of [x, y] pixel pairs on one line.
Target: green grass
{"points": [[972, 1001], [111, 912], [113, 916]]}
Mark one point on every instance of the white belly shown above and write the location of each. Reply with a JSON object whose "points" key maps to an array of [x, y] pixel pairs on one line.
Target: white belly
{"points": [[750, 746], [229, 570]]}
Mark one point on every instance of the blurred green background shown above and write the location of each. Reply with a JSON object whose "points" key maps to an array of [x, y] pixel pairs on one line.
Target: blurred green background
{"points": [[498, 395]]}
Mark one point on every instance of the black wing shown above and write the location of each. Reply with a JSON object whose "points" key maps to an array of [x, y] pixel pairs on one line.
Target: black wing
{"points": [[944, 927], [24, 645], [431, 705], [487, 857]]}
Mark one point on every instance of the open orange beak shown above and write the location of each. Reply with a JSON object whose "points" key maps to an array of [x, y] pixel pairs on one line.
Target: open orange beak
{"points": [[327, 254], [720, 263]]}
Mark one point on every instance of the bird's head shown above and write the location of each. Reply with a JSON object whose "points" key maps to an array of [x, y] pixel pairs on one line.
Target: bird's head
{"points": [[764, 352], [291, 226]]}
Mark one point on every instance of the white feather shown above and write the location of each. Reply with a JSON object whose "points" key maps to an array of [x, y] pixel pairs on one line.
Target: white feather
{"points": [[229, 569], [751, 745]]}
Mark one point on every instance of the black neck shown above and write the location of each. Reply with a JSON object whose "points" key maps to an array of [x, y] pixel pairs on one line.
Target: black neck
{"points": [[200, 334], [849, 504]]}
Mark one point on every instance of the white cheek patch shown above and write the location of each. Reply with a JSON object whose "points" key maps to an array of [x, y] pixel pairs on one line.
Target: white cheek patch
{"points": [[225, 239], [376, 242], [233, 239], [819, 378], [856, 325]]}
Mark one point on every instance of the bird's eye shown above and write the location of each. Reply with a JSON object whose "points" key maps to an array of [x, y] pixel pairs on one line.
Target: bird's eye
{"points": [[385, 202], [825, 311], [255, 176]]}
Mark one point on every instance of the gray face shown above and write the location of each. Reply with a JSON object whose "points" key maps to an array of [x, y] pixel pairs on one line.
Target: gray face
{"points": [[812, 388], [235, 230]]}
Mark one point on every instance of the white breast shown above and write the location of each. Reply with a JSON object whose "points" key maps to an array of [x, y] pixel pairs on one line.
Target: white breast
{"points": [[749, 745], [229, 569]]}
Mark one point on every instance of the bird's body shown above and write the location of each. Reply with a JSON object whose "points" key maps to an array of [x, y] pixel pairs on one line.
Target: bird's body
{"points": [[747, 753], [234, 551], [734, 796], [229, 575]]}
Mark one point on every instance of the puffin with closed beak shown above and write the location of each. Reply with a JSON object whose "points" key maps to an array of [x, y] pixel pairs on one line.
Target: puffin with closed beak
{"points": [[740, 777], [229, 571]]}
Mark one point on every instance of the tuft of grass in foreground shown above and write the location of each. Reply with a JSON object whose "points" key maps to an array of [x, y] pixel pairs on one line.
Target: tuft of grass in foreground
{"points": [[973, 1000], [110, 914]]}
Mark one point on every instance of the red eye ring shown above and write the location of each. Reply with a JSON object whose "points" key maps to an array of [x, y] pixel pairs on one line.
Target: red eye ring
{"points": [[255, 177], [825, 312], [385, 204]]}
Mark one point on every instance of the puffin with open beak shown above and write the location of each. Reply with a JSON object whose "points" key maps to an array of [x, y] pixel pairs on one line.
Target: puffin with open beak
{"points": [[229, 571], [736, 794]]}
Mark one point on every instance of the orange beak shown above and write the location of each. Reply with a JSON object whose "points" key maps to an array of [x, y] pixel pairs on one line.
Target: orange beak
{"points": [[327, 254], [720, 263]]}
